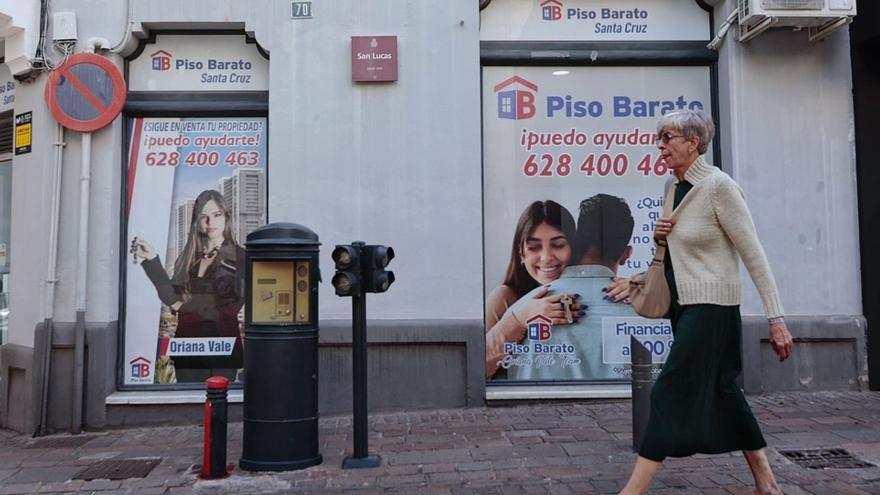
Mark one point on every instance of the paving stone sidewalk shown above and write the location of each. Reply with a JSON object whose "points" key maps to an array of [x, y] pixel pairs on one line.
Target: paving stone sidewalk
{"points": [[547, 448]]}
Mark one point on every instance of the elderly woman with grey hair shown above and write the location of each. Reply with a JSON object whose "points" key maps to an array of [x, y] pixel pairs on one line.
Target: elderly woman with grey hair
{"points": [[696, 404]]}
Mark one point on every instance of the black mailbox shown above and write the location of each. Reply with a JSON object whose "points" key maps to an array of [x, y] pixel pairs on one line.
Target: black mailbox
{"points": [[281, 349]]}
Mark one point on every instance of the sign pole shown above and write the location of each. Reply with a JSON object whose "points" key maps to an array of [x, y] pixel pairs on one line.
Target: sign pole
{"points": [[359, 368]]}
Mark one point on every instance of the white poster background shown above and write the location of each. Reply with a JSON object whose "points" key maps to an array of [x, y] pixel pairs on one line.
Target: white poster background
{"points": [[594, 20], [590, 93], [655, 335], [149, 211]]}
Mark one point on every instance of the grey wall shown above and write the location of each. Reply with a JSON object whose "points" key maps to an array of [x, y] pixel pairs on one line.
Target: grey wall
{"points": [[31, 188], [787, 139]]}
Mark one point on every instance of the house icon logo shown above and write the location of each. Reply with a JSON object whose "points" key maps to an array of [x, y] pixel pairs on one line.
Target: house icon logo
{"points": [[140, 367], [539, 327], [161, 60], [516, 104], [551, 10]]}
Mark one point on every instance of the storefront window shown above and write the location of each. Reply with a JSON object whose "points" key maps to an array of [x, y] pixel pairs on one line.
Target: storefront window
{"points": [[576, 182], [196, 188], [573, 179]]}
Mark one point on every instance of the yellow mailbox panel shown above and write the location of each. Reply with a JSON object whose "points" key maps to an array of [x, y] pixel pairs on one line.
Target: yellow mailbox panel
{"points": [[302, 292], [272, 292]]}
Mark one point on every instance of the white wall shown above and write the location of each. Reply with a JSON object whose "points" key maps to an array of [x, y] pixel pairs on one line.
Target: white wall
{"points": [[31, 200], [31, 189], [105, 194], [787, 137], [396, 164], [20, 30]]}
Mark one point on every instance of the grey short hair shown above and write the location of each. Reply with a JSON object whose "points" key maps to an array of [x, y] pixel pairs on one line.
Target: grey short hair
{"points": [[691, 124]]}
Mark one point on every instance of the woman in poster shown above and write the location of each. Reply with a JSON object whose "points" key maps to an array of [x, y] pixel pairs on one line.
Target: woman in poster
{"points": [[542, 246], [204, 290], [696, 404]]}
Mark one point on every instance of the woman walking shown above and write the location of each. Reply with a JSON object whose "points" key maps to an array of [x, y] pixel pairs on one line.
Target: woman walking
{"points": [[696, 405]]}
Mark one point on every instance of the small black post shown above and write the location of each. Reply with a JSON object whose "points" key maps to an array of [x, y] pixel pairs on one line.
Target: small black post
{"points": [[359, 375], [214, 455], [641, 390], [361, 457]]}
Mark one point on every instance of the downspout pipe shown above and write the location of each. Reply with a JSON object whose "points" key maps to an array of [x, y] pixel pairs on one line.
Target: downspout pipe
{"points": [[51, 280], [82, 256]]}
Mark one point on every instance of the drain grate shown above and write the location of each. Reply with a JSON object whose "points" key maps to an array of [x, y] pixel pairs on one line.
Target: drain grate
{"points": [[60, 442], [118, 470], [825, 459]]}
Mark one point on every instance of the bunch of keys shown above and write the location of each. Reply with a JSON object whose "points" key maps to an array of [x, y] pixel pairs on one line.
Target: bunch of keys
{"points": [[567, 301], [133, 251]]}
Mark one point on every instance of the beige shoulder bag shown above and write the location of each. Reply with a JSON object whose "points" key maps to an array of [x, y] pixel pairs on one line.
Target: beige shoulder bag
{"points": [[648, 291]]}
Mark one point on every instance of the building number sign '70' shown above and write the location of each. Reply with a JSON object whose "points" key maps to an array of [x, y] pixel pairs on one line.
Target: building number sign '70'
{"points": [[301, 10]]}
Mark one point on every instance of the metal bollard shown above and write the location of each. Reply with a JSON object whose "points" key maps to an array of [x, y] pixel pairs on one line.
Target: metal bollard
{"points": [[214, 455], [641, 390]]}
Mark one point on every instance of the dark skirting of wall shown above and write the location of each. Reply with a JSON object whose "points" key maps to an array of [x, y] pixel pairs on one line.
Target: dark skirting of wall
{"points": [[16, 377], [411, 364], [829, 354], [99, 375]]}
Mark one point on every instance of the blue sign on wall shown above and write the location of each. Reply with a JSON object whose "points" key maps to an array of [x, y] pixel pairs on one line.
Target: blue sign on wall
{"points": [[301, 10]]}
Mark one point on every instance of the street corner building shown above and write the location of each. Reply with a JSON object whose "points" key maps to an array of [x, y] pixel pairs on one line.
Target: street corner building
{"points": [[142, 142]]}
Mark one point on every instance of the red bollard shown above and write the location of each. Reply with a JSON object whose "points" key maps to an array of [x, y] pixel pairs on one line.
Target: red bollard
{"points": [[214, 455]]}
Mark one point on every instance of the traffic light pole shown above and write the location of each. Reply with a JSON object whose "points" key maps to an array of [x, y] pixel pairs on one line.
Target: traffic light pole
{"points": [[361, 457], [359, 372], [360, 269]]}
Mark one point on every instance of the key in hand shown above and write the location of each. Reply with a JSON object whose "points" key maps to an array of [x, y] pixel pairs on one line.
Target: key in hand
{"points": [[133, 251], [567, 301]]}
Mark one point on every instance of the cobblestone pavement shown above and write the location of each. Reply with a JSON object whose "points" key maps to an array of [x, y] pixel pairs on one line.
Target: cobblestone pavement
{"points": [[546, 448]]}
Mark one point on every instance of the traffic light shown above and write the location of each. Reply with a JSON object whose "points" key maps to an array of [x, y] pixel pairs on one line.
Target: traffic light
{"points": [[374, 277], [361, 269], [347, 258]]}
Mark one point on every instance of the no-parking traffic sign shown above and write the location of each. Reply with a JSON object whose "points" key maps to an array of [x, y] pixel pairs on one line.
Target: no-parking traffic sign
{"points": [[86, 93]]}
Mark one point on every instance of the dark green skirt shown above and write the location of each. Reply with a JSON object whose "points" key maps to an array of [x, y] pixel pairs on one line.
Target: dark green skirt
{"points": [[696, 404]]}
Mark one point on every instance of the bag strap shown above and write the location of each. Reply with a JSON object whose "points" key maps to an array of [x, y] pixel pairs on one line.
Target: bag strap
{"points": [[660, 252], [668, 197]]}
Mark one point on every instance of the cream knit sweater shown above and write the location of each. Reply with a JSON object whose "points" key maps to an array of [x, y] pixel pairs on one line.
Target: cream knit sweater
{"points": [[713, 225]]}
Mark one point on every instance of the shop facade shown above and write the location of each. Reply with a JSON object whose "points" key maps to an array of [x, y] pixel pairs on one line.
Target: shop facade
{"points": [[237, 116]]}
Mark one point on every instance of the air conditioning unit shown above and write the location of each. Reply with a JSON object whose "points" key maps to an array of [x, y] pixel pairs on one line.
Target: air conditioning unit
{"points": [[821, 17]]}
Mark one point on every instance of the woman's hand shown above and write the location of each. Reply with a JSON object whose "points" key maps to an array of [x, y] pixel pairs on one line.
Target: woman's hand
{"points": [[662, 228], [780, 340], [143, 249], [618, 290], [549, 306]]}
